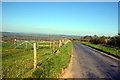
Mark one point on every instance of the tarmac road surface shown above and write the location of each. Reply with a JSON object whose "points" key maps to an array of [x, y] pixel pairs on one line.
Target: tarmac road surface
{"points": [[89, 63]]}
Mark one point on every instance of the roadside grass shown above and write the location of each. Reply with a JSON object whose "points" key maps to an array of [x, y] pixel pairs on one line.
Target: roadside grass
{"points": [[53, 65], [112, 51], [18, 63]]}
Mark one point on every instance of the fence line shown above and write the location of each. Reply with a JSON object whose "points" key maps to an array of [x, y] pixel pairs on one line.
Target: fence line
{"points": [[54, 45]]}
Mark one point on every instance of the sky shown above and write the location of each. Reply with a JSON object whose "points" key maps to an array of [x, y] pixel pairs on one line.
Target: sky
{"points": [[60, 0], [119, 17], [69, 18]]}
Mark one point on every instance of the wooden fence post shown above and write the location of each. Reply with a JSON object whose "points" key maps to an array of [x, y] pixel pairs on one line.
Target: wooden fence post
{"points": [[15, 43], [35, 58], [53, 47], [59, 43], [50, 44]]}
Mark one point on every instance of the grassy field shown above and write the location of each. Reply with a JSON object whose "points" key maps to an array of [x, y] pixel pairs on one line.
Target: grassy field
{"points": [[112, 51], [18, 63]]}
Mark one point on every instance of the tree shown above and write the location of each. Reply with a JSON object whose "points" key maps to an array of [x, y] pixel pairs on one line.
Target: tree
{"points": [[114, 41]]}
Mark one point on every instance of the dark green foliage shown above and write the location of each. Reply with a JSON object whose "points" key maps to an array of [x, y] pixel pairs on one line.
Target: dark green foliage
{"points": [[108, 41], [114, 41], [95, 41], [98, 40], [118, 33]]}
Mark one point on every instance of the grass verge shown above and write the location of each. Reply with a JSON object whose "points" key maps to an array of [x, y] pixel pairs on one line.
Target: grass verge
{"points": [[52, 67], [112, 51]]}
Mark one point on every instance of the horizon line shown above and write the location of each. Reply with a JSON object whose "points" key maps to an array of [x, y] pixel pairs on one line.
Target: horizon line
{"points": [[60, 34]]}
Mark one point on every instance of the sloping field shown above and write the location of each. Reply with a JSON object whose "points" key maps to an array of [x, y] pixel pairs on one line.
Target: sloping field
{"points": [[18, 62]]}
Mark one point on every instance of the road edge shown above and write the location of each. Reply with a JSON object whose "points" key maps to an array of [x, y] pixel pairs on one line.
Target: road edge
{"points": [[113, 57], [65, 72]]}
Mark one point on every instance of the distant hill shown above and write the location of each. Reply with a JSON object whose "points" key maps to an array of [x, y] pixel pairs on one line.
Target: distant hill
{"points": [[30, 36]]}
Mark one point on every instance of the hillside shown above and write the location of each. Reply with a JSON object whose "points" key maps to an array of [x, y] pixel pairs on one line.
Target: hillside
{"points": [[33, 36]]}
